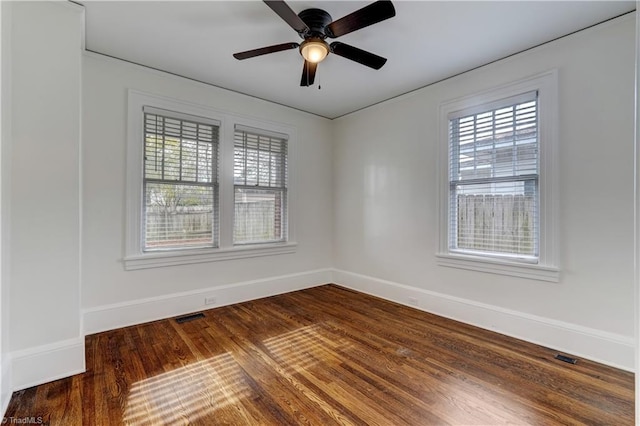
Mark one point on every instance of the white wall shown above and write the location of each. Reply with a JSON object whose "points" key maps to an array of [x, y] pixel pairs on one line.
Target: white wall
{"points": [[386, 223], [5, 191], [107, 289], [637, 216], [45, 190]]}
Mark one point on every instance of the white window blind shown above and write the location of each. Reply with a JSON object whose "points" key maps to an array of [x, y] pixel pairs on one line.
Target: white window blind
{"points": [[493, 179], [260, 186], [180, 181]]}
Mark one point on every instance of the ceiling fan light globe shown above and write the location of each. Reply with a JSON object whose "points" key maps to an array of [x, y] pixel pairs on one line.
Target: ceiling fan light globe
{"points": [[314, 50]]}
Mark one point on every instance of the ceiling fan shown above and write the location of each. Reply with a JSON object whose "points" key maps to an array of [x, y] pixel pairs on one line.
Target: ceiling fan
{"points": [[315, 25]]}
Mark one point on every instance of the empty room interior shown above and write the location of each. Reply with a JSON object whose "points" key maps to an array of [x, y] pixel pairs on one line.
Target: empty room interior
{"points": [[318, 212]]}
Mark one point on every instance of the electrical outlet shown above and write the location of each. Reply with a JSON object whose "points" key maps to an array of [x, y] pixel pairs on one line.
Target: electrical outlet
{"points": [[210, 300], [413, 301]]}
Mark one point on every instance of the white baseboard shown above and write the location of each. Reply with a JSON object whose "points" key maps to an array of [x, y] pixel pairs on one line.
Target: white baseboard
{"points": [[600, 346], [34, 366], [42, 364], [109, 317], [5, 386]]}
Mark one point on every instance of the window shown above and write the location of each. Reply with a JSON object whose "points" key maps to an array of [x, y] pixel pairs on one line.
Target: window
{"points": [[180, 181], [260, 187], [493, 179], [498, 207], [204, 185]]}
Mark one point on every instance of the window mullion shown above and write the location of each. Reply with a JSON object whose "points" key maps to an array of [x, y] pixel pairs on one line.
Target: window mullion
{"points": [[490, 180], [261, 187]]}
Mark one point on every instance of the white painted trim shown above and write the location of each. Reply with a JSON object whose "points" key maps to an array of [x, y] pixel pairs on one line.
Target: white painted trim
{"points": [[186, 257], [495, 266], [42, 364], [546, 84], [81, 165], [6, 23], [6, 391], [636, 209], [6, 14], [135, 257], [109, 317], [135, 103], [600, 346]]}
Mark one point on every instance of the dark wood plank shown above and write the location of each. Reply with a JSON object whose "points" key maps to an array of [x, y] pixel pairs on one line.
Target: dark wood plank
{"points": [[325, 356]]}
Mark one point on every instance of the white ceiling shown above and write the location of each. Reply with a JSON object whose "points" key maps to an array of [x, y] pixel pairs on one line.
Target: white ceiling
{"points": [[425, 42]]}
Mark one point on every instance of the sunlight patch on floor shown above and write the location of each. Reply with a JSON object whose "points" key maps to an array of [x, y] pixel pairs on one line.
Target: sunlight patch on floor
{"points": [[188, 392], [304, 347]]}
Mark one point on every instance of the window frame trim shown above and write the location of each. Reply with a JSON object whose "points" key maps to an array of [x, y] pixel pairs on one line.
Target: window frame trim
{"points": [[134, 256], [547, 266]]}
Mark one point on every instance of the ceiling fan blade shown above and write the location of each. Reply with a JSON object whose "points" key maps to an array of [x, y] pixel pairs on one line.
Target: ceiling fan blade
{"points": [[368, 15], [283, 10], [308, 73], [358, 55], [264, 50]]}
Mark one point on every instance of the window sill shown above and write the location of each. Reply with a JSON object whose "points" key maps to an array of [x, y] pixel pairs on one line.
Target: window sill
{"points": [[499, 267], [186, 257]]}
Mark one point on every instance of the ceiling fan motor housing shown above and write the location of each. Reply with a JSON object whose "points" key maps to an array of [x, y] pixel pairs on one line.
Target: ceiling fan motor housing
{"points": [[316, 25], [317, 21]]}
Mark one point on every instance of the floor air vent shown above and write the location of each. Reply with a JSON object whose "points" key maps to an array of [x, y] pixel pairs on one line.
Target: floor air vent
{"points": [[566, 359], [189, 317]]}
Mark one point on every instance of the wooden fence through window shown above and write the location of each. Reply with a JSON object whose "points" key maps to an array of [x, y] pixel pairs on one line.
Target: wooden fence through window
{"points": [[497, 223]]}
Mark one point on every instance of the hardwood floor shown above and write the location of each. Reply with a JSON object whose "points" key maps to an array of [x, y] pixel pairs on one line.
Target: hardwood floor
{"points": [[324, 356]]}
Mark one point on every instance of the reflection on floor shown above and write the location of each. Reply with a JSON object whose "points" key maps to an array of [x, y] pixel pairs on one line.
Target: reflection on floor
{"points": [[325, 356]]}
